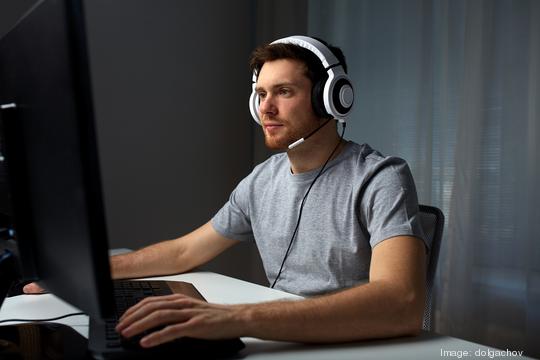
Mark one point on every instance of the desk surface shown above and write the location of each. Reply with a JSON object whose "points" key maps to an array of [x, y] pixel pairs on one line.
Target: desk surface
{"points": [[226, 290]]}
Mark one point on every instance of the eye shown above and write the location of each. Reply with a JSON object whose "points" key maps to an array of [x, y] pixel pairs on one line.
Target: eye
{"points": [[284, 91], [261, 95]]}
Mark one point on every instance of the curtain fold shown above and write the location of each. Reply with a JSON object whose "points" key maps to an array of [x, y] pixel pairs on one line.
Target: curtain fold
{"points": [[454, 88]]}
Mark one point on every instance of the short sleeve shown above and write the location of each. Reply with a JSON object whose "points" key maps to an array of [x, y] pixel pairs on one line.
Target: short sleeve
{"points": [[390, 204], [232, 220]]}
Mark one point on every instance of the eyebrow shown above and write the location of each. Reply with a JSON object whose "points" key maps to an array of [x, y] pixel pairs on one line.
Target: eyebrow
{"points": [[286, 84]]}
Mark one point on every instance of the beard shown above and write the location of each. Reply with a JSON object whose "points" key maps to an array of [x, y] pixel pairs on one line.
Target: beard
{"points": [[280, 143], [287, 135]]}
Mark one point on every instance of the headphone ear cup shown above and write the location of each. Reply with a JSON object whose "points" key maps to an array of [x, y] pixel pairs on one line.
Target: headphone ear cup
{"points": [[342, 96], [317, 98], [254, 107]]}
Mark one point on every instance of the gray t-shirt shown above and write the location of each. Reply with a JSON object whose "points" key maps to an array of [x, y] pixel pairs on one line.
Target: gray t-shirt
{"points": [[361, 199]]}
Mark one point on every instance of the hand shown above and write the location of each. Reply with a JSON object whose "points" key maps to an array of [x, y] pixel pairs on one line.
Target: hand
{"points": [[33, 288], [178, 316]]}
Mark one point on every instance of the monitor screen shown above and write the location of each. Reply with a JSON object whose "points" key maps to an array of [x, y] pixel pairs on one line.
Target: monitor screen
{"points": [[50, 157]]}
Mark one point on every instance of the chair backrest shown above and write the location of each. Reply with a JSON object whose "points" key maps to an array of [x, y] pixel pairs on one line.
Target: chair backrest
{"points": [[432, 220]]}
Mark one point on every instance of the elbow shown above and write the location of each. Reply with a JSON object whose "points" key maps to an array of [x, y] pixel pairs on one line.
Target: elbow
{"points": [[401, 313], [412, 314], [407, 311]]}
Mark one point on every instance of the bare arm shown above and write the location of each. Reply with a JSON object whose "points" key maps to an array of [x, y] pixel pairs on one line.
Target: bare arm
{"points": [[166, 257], [391, 304], [172, 256]]}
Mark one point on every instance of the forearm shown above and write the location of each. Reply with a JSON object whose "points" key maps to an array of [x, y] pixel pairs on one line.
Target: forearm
{"points": [[163, 258], [172, 256], [365, 312]]}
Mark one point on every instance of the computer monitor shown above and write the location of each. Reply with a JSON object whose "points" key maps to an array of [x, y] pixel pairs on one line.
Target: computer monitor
{"points": [[54, 207]]}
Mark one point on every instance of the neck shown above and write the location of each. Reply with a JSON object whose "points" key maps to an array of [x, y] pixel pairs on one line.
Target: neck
{"points": [[313, 153]]}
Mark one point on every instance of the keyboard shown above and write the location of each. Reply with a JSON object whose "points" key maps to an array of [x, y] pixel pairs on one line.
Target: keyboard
{"points": [[106, 343]]}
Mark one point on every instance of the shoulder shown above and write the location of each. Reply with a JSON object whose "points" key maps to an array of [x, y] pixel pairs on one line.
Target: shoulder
{"points": [[271, 167], [273, 163], [274, 166], [370, 165], [368, 157]]}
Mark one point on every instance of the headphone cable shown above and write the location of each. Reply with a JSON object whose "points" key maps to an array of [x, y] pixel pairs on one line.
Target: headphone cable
{"points": [[303, 202]]}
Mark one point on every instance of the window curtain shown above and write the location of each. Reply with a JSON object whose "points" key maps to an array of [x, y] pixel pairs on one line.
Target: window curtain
{"points": [[454, 88]]}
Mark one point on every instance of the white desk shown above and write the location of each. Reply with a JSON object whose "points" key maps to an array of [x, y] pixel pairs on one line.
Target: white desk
{"points": [[226, 290]]}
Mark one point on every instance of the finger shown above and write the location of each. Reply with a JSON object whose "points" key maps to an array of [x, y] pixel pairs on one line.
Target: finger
{"points": [[166, 334], [147, 301], [33, 288], [159, 318], [151, 303], [146, 309], [138, 312]]}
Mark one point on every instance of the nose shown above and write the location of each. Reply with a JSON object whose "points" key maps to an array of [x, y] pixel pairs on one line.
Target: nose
{"points": [[267, 106]]}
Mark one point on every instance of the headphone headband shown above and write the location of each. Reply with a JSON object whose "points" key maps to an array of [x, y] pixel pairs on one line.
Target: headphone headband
{"points": [[337, 91], [324, 54]]}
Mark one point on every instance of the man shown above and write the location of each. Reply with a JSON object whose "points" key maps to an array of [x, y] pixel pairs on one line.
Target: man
{"points": [[333, 220]]}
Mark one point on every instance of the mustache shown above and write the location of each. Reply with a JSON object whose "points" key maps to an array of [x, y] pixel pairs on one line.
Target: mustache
{"points": [[273, 119]]}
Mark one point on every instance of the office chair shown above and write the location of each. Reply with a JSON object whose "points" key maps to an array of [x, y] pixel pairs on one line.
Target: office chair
{"points": [[432, 220]]}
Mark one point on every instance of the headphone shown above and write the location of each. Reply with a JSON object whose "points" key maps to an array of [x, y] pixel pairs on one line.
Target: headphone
{"points": [[332, 95]]}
